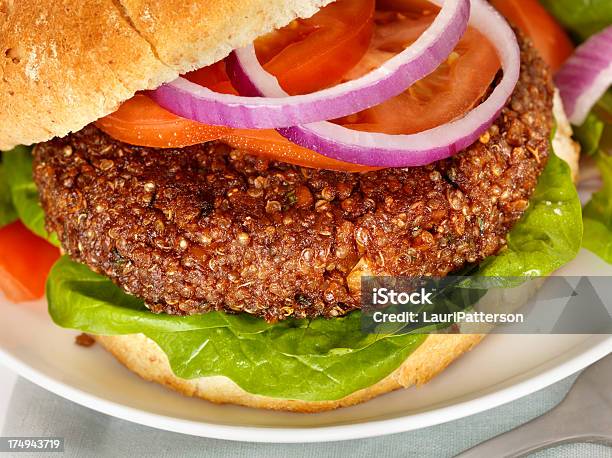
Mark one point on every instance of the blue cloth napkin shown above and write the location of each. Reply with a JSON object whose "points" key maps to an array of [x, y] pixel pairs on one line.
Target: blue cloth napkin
{"points": [[35, 412]]}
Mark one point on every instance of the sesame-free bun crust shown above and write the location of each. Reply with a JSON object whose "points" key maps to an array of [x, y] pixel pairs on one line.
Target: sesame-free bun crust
{"points": [[142, 356], [66, 63]]}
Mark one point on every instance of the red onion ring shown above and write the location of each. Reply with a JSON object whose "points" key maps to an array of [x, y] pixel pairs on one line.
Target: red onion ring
{"points": [[423, 148], [586, 76], [277, 109]]}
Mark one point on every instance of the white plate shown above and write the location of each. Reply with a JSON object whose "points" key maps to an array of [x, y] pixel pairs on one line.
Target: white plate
{"points": [[501, 369]]}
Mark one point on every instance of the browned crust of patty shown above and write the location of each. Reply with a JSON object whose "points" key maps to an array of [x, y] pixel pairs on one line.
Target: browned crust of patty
{"points": [[207, 228], [142, 356]]}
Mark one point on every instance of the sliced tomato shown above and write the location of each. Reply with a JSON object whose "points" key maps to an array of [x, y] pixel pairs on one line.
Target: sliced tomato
{"points": [[548, 36], [271, 145], [25, 261], [448, 93], [141, 121], [311, 54], [210, 76], [213, 77]]}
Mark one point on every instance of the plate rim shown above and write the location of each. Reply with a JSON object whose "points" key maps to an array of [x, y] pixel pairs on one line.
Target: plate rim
{"points": [[366, 429]]}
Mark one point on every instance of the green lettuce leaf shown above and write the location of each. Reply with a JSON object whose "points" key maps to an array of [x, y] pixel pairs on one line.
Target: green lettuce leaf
{"points": [[595, 133], [23, 191], [304, 359], [582, 18], [8, 214], [589, 134], [598, 213], [312, 360], [595, 137]]}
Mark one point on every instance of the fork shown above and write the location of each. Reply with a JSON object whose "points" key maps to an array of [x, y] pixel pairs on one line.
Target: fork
{"points": [[584, 415]]}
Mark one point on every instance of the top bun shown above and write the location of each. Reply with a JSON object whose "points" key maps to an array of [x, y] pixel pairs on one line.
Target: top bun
{"points": [[67, 63]]}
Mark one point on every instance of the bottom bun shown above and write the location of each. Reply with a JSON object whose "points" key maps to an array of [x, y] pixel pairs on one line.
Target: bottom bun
{"points": [[144, 357]]}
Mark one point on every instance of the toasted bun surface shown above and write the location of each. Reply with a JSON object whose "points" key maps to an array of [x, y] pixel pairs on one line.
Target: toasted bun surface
{"points": [[66, 63], [142, 356]]}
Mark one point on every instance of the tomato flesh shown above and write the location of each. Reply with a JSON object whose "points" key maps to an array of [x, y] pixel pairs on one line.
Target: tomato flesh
{"points": [[532, 19], [141, 121], [25, 261], [312, 54], [455, 87], [309, 54], [271, 145]]}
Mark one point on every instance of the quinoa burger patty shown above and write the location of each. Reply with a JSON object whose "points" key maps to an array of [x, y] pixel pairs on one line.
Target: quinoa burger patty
{"points": [[210, 228]]}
